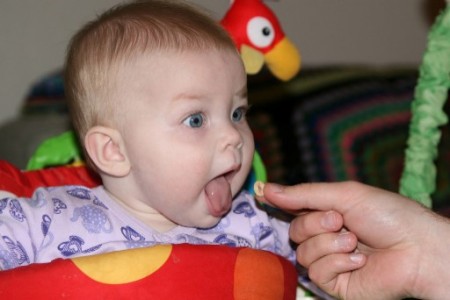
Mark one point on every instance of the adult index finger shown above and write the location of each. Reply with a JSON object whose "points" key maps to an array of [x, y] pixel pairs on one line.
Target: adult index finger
{"points": [[313, 196]]}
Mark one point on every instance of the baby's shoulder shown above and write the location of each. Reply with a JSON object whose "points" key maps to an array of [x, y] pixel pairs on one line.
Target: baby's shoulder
{"points": [[64, 196]]}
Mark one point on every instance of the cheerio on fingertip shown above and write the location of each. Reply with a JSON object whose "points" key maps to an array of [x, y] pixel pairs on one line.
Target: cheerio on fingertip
{"points": [[259, 188]]}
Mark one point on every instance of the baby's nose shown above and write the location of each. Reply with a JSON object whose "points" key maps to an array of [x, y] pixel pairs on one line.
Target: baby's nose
{"points": [[231, 137]]}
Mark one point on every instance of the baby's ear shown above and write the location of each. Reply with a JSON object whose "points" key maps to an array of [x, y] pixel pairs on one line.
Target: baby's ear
{"points": [[106, 149]]}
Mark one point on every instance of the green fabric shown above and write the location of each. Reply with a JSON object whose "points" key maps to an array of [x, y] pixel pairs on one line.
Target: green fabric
{"points": [[418, 180]]}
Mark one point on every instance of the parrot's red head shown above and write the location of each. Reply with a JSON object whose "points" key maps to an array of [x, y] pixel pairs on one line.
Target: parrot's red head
{"points": [[260, 39]]}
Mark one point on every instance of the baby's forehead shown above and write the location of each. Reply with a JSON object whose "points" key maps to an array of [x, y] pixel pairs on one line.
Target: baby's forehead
{"points": [[172, 57], [177, 71], [169, 58], [151, 53]]}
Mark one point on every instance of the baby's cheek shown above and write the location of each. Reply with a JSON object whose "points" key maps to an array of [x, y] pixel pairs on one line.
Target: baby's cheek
{"points": [[248, 156]]}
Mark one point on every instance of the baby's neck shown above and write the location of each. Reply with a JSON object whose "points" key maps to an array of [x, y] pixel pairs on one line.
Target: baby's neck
{"points": [[155, 220]]}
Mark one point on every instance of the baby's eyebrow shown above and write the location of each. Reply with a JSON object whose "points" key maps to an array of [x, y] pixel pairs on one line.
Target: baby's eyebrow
{"points": [[188, 96], [243, 92]]}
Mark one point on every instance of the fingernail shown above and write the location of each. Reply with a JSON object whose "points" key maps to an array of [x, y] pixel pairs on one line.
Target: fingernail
{"points": [[276, 188], [329, 221], [357, 258], [344, 240]]}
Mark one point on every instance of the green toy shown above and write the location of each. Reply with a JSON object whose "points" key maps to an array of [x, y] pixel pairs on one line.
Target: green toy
{"points": [[56, 151], [418, 180]]}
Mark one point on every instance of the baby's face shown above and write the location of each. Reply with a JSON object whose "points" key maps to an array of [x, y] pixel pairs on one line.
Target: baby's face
{"points": [[186, 134]]}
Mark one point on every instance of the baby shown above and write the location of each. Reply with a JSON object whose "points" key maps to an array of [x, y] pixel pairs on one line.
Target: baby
{"points": [[158, 97]]}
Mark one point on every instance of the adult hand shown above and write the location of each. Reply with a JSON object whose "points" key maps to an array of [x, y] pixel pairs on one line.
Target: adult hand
{"points": [[360, 242]]}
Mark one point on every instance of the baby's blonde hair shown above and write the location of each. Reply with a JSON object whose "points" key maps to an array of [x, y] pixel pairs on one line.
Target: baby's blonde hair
{"points": [[124, 32]]}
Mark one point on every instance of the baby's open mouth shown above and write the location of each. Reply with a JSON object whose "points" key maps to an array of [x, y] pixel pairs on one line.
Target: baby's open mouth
{"points": [[218, 193], [218, 196]]}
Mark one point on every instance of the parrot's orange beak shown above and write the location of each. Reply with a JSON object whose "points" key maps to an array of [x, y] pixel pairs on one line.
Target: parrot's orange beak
{"points": [[284, 60]]}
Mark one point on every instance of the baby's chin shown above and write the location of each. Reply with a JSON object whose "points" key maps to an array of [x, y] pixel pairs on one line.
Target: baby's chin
{"points": [[206, 223], [237, 187]]}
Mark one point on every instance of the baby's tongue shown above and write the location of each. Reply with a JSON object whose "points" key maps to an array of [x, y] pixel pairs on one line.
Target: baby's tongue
{"points": [[219, 196]]}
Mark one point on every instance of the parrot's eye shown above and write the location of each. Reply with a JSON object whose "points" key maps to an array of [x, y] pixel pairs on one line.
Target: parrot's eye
{"points": [[260, 32], [266, 31]]}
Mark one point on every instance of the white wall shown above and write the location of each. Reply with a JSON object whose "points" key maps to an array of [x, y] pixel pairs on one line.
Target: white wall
{"points": [[34, 35]]}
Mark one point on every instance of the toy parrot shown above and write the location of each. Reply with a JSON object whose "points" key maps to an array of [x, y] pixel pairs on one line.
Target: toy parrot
{"points": [[260, 39]]}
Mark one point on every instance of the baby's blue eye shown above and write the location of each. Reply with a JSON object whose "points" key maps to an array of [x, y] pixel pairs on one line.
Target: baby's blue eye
{"points": [[194, 120], [238, 114]]}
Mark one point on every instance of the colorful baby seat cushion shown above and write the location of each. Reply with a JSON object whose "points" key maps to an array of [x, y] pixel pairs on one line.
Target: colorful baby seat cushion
{"points": [[180, 271]]}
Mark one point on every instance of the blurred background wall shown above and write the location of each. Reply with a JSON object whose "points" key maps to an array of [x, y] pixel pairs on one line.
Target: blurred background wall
{"points": [[34, 34]]}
